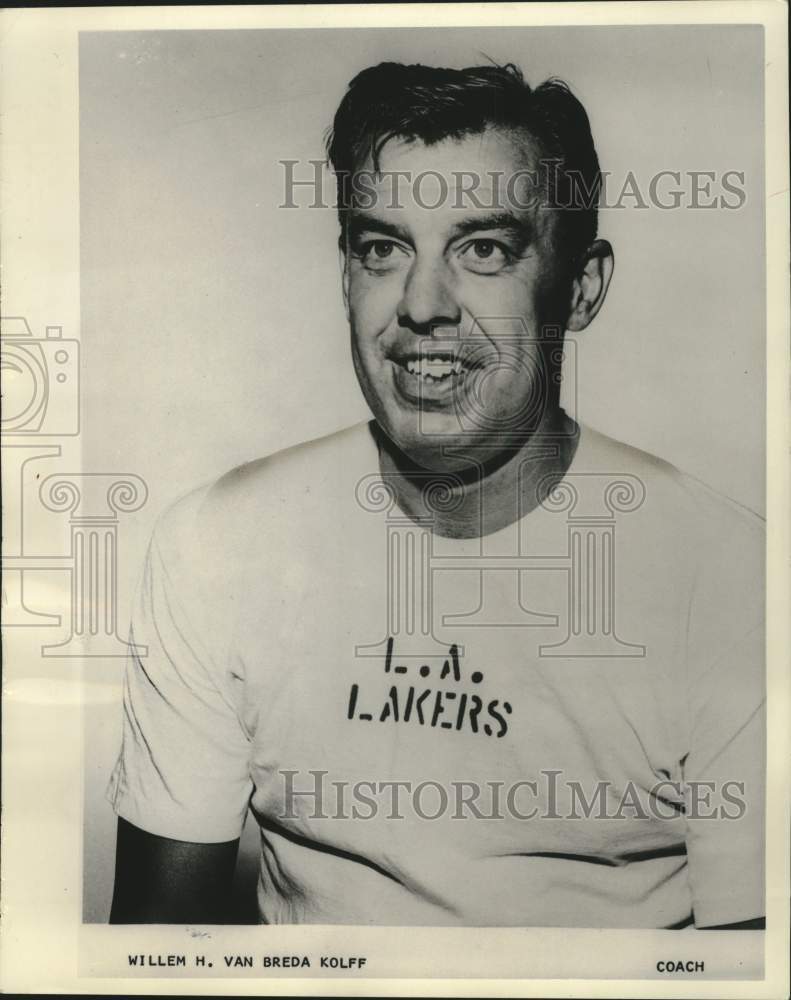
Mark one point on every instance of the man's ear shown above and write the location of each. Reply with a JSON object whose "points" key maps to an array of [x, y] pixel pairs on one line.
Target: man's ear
{"points": [[344, 274], [590, 285]]}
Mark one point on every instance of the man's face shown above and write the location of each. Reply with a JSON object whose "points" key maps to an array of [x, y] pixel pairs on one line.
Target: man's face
{"points": [[448, 304]]}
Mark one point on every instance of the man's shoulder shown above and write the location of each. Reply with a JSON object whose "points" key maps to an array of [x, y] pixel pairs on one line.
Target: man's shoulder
{"points": [[294, 480], [679, 510], [680, 491], [268, 492]]}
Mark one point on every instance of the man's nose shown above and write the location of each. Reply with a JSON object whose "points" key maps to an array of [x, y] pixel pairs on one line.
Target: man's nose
{"points": [[428, 298]]}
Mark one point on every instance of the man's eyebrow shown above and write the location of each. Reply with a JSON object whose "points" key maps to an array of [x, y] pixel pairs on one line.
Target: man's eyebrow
{"points": [[359, 223], [497, 220]]}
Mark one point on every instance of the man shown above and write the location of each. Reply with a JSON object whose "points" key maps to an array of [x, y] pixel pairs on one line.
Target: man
{"points": [[429, 603]]}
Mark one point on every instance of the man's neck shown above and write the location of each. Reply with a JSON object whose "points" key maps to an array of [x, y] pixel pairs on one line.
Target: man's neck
{"points": [[487, 496]]}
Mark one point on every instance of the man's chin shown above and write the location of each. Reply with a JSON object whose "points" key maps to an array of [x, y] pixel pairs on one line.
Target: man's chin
{"points": [[449, 452]]}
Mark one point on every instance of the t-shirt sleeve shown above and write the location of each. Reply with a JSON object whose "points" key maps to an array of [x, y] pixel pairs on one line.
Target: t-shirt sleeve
{"points": [[724, 769], [183, 770]]}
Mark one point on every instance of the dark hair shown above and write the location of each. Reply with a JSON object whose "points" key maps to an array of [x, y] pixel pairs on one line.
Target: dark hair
{"points": [[431, 104]]}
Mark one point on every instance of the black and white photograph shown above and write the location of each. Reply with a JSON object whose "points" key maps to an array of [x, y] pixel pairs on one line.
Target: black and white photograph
{"points": [[398, 494]]}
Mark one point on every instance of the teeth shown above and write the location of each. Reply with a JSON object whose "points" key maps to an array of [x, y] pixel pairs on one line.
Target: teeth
{"points": [[433, 367]]}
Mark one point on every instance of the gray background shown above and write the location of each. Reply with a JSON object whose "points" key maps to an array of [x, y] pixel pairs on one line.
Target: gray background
{"points": [[212, 326]]}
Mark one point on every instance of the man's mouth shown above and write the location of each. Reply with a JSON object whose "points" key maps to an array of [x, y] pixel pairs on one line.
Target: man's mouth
{"points": [[435, 366]]}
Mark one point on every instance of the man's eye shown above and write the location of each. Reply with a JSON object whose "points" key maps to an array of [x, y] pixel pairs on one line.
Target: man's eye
{"points": [[380, 249], [379, 255], [484, 248], [485, 256]]}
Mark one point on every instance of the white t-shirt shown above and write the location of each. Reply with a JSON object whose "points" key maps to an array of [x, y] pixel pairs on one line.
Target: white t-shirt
{"points": [[550, 694]]}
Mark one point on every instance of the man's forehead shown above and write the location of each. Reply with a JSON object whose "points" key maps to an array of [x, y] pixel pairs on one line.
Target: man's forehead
{"points": [[486, 173], [491, 150]]}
